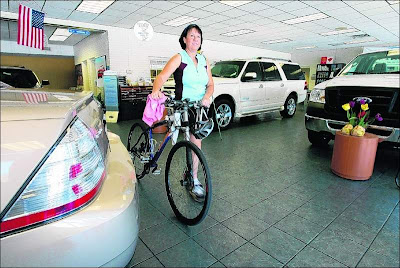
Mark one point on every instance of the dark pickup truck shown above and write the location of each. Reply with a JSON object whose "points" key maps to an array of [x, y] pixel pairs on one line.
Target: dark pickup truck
{"points": [[373, 75]]}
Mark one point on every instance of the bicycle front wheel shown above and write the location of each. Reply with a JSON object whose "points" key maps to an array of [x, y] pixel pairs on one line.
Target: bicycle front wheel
{"points": [[186, 162], [138, 145]]}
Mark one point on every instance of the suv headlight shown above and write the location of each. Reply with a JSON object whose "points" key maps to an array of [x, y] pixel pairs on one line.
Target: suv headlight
{"points": [[317, 95]]}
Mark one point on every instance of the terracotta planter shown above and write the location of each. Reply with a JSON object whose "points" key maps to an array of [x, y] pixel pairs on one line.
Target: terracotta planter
{"points": [[161, 129], [354, 157]]}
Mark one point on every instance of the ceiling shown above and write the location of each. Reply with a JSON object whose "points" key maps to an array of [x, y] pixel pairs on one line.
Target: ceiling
{"points": [[373, 20]]}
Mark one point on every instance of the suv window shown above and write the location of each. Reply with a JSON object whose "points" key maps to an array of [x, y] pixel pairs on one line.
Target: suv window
{"points": [[252, 67], [270, 71], [20, 78], [227, 69], [293, 72]]}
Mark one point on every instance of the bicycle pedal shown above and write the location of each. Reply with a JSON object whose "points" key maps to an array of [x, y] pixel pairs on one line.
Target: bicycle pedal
{"points": [[156, 171]]}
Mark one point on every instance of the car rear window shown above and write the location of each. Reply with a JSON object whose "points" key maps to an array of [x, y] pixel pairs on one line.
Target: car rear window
{"points": [[18, 78], [227, 69], [293, 72], [271, 72]]}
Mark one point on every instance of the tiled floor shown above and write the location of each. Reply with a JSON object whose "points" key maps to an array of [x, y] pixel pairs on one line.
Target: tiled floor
{"points": [[275, 203]]}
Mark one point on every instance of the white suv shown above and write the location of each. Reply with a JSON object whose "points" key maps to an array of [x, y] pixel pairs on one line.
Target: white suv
{"points": [[254, 86]]}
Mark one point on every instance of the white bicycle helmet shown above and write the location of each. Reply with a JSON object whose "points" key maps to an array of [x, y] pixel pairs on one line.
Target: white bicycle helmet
{"points": [[203, 128]]}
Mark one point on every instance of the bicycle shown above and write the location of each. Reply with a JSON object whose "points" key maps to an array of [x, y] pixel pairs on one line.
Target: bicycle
{"points": [[179, 180]]}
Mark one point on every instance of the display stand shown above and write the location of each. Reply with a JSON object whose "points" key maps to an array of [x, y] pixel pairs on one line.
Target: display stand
{"points": [[354, 157], [326, 71]]}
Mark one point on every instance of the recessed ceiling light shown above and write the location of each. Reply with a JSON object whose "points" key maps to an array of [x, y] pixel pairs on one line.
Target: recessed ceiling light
{"points": [[340, 32], [276, 41], [316, 16], [362, 41], [306, 47], [58, 38], [180, 21], [62, 32], [234, 3], [239, 32], [93, 6]]}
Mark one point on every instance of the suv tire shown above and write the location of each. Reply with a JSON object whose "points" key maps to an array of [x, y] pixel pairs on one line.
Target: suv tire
{"points": [[290, 107], [224, 110], [318, 139]]}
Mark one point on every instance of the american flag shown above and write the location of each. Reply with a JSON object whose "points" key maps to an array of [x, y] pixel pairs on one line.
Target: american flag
{"points": [[30, 27]]}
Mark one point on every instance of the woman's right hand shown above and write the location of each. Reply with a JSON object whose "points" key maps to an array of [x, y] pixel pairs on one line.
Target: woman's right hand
{"points": [[156, 94]]}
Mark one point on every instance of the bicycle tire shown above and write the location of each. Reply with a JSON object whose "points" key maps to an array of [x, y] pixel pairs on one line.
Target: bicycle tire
{"points": [[138, 148], [173, 184]]}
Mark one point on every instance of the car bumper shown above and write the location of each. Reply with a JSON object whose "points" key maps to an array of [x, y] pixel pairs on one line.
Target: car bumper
{"points": [[326, 125], [104, 233], [302, 97]]}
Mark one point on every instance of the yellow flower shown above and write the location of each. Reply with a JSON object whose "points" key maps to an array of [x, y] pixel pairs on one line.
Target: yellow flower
{"points": [[346, 107], [364, 107]]}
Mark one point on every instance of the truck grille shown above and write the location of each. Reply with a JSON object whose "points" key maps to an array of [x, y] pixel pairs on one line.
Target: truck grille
{"points": [[384, 101]]}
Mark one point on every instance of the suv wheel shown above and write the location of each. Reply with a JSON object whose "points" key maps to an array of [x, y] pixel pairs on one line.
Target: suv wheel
{"points": [[223, 114], [318, 139], [290, 107]]}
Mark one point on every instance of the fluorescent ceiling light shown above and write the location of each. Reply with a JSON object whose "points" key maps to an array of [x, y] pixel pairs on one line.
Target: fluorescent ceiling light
{"points": [[306, 47], [340, 32], [58, 38], [234, 3], [239, 32], [362, 41], [276, 41], [316, 16], [62, 32], [93, 6], [180, 21]]}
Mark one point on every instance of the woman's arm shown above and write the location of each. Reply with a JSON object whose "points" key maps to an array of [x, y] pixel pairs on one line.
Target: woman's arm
{"points": [[210, 87], [168, 70]]}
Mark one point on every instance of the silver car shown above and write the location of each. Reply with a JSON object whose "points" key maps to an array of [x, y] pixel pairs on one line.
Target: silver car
{"points": [[68, 187]]}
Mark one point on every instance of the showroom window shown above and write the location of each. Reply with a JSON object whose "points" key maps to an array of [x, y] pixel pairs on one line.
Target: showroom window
{"points": [[293, 72], [253, 67], [271, 72]]}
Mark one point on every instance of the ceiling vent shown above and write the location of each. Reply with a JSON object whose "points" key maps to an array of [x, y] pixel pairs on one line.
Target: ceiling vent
{"points": [[357, 36]]}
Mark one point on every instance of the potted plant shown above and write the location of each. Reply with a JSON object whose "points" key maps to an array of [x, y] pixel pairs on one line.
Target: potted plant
{"points": [[358, 123]]}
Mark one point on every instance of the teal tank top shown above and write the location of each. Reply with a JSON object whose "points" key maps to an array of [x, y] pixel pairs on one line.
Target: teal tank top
{"points": [[191, 82]]}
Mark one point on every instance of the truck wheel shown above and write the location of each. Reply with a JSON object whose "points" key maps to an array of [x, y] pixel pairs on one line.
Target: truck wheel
{"points": [[318, 139], [223, 114], [290, 107]]}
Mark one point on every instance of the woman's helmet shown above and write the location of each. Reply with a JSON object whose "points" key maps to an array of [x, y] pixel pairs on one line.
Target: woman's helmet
{"points": [[203, 128]]}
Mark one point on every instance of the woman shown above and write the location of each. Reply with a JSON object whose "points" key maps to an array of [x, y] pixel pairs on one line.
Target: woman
{"points": [[193, 81]]}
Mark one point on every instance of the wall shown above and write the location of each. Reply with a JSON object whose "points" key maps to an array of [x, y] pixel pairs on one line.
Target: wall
{"points": [[60, 71], [55, 50], [313, 57], [93, 46], [131, 57]]}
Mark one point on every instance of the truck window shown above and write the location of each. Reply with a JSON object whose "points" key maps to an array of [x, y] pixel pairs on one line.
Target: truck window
{"points": [[270, 72], [292, 72]]}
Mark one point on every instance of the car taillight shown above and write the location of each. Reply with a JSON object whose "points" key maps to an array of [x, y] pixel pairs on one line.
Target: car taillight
{"points": [[68, 177], [305, 85]]}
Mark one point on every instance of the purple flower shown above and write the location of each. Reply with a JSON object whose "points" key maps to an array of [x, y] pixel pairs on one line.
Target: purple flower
{"points": [[352, 103], [378, 117], [362, 101]]}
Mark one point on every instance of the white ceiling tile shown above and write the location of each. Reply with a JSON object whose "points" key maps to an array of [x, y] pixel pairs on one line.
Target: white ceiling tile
{"points": [[330, 23], [68, 5], [371, 5], [125, 6], [392, 16], [269, 12], [82, 16], [282, 17], [200, 14], [57, 13], [340, 12], [13, 5], [139, 3], [253, 6], [168, 15], [264, 21], [204, 22], [105, 20], [156, 21], [356, 3], [304, 11], [217, 18], [276, 3], [329, 5], [292, 6], [251, 18], [165, 29], [233, 22], [151, 12], [234, 13], [117, 13], [198, 4], [395, 7], [182, 9], [4, 5], [377, 11], [216, 7], [163, 5]]}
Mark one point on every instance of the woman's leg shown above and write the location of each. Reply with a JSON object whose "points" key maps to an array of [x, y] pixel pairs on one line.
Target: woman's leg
{"points": [[196, 142]]}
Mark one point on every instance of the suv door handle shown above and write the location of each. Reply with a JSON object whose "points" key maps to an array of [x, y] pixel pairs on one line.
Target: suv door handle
{"points": [[282, 84], [261, 86]]}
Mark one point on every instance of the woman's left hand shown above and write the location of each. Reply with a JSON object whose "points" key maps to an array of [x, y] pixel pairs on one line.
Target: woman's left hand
{"points": [[205, 102]]}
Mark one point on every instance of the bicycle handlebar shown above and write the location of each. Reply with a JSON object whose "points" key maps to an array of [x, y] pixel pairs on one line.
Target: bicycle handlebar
{"points": [[183, 103]]}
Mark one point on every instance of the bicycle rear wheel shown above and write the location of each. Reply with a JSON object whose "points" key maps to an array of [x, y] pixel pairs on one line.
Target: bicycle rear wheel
{"points": [[138, 145], [179, 183]]}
